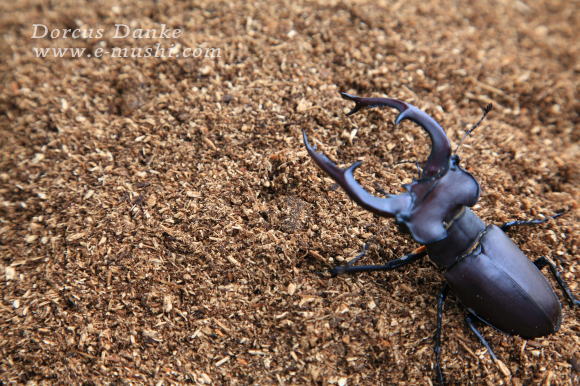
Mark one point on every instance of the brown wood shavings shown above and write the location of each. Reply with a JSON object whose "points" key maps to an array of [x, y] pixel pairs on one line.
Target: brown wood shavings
{"points": [[161, 222]]}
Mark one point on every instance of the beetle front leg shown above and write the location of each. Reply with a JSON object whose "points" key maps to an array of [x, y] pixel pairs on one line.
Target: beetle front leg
{"points": [[544, 261], [510, 224], [362, 253], [393, 264]]}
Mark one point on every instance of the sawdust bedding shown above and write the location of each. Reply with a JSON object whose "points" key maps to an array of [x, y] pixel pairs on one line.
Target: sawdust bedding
{"points": [[160, 220]]}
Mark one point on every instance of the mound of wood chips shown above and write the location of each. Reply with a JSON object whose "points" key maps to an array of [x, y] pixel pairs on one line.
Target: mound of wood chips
{"points": [[161, 221]]}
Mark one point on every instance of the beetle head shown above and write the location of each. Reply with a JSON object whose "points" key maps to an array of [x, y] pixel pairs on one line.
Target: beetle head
{"points": [[429, 202]]}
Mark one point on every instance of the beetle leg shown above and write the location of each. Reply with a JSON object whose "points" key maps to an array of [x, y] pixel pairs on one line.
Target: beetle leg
{"points": [[541, 263], [510, 224], [437, 338], [470, 321], [393, 264], [362, 253]]}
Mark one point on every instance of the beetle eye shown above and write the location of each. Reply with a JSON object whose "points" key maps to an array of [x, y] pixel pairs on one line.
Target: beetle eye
{"points": [[455, 159]]}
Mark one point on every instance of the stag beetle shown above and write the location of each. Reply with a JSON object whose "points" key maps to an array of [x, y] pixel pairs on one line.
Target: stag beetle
{"points": [[486, 271]]}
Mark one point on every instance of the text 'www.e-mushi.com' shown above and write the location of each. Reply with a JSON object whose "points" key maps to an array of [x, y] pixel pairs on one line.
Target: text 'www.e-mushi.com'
{"points": [[120, 31]]}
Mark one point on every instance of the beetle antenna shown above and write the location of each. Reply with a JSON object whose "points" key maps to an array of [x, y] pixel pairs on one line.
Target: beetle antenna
{"points": [[486, 110], [417, 165]]}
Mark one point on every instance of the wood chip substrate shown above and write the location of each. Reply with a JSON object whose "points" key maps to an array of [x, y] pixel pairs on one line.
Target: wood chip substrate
{"points": [[162, 223]]}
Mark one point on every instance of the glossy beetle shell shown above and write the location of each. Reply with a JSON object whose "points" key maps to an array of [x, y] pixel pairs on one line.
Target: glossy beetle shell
{"points": [[504, 288]]}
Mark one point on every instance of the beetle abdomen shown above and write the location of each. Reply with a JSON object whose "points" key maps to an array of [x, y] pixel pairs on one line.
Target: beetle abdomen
{"points": [[504, 288]]}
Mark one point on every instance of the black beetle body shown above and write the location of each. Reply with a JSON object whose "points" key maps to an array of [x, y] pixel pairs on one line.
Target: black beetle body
{"points": [[486, 271], [495, 280]]}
